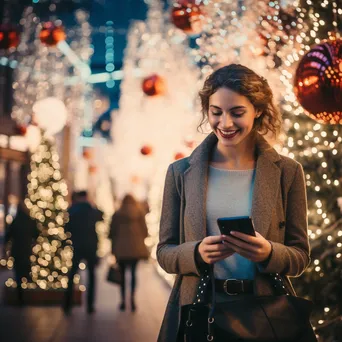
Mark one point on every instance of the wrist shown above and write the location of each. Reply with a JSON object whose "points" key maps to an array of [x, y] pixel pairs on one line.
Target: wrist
{"points": [[198, 257], [268, 258]]}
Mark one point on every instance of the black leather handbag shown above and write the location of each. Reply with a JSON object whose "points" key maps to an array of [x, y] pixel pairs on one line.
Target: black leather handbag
{"points": [[114, 274], [278, 318]]}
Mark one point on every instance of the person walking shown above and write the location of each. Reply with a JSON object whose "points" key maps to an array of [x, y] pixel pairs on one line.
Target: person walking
{"points": [[22, 233], [128, 231], [234, 172], [82, 226]]}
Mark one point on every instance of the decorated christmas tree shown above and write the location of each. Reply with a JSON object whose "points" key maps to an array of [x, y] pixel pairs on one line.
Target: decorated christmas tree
{"points": [[312, 74], [298, 43], [46, 200]]}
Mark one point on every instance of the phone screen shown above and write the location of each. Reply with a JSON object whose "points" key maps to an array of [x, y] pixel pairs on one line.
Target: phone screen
{"points": [[243, 224]]}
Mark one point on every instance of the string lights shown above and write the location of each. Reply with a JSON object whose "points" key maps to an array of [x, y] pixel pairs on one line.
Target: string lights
{"points": [[316, 144], [109, 56], [44, 70], [52, 254]]}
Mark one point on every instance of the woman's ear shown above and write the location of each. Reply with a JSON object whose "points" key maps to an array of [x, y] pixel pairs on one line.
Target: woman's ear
{"points": [[257, 114]]}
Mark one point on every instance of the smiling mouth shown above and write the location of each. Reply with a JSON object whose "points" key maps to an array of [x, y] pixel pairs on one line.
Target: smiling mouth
{"points": [[228, 134]]}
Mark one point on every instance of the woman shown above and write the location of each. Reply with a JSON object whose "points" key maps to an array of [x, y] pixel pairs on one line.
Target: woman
{"points": [[233, 172], [128, 231]]}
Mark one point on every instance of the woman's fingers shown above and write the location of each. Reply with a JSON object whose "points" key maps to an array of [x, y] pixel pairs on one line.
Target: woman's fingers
{"points": [[221, 254], [242, 244], [215, 248], [212, 240], [217, 259]]}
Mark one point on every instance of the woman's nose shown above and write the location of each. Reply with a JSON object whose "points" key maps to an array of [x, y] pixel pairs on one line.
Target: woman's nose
{"points": [[227, 120]]}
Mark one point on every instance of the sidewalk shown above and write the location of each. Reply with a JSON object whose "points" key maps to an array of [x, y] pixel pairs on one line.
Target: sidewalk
{"points": [[108, 324]]}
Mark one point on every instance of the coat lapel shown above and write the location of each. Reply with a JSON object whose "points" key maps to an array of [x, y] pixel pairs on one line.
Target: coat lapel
{"points": [[195, 184], [266, 187]]}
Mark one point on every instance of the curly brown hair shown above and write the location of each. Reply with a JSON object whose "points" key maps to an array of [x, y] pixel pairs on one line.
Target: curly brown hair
{"points": [[246, 82]]}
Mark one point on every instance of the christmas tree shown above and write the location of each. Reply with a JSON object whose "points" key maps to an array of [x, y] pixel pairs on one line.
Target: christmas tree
{"points": [[279, 36], [311, 72], [46, 200]]}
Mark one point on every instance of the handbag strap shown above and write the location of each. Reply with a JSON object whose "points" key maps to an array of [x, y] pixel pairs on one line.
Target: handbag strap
{"points": [[279, 285]]}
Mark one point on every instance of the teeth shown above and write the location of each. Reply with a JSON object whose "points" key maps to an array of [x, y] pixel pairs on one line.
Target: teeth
{"points": [[228, 133]]}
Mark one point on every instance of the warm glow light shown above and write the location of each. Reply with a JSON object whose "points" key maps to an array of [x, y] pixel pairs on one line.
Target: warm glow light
{"points": [[50, 114]]}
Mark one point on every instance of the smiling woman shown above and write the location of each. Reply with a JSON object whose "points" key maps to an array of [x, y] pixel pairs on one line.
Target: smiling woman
{"points": [[231, 116], [234, 172], [252, 90]]}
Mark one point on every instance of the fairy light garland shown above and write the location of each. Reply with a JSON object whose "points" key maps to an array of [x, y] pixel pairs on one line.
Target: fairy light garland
{"points": [[319, 146]]}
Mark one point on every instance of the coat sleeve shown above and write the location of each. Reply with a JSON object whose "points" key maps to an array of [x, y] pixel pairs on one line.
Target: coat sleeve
{"points": [[172, 256], [292, 257]]}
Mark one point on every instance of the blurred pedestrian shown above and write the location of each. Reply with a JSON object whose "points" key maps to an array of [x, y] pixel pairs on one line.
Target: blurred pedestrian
{"points": [[21, 233], [128, 231], [82, 226]]}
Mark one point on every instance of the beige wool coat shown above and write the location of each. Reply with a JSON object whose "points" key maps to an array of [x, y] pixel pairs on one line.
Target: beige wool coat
{"points": [[279, 213]]}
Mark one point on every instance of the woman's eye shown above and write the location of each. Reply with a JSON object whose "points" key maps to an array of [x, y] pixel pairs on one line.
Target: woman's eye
{"points": [[238, 113], [216, 113]]}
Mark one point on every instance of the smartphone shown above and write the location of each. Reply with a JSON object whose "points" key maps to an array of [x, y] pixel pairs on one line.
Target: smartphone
{"points": [[243, 224]]}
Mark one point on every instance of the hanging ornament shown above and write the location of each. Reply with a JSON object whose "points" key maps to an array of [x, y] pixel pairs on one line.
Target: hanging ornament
{"points": [[187, 16], [179, 155], [9, 37], [317, 82], [88, 153], [21, 129], [92, 169], [153, 85], [189, 143], [51, 34], [146, 150]]}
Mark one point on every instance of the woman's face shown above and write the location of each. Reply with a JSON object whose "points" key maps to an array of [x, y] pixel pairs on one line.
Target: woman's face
{"points": [[231, 116]]}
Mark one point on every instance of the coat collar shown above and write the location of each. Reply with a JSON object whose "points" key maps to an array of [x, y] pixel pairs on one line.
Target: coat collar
{"points": [[266, 186], [201, 153]]}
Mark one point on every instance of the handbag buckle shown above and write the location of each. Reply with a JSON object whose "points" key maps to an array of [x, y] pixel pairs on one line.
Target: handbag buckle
{"points": [[225, 286]]}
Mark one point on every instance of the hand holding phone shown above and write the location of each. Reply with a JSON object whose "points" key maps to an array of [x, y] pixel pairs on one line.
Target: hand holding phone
{"points": [[246, 241], [212, 250], [242, 224]]}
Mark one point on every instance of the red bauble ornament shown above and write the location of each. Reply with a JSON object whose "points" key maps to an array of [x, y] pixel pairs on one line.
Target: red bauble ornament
{"points": [[9, 37], [21, 129], [187, 15], [146, 150], [51, 34], [189, 143], [88, 153], [153, 85], [317, 83], [179, 155], [92, 169]]}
